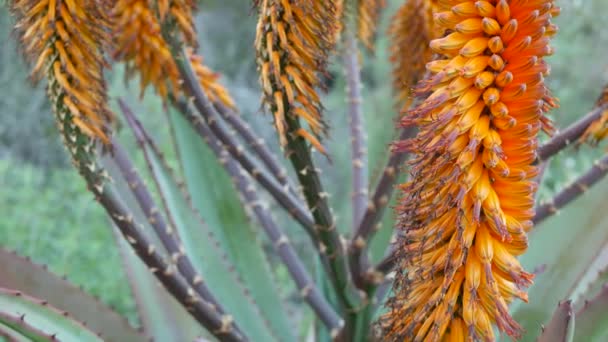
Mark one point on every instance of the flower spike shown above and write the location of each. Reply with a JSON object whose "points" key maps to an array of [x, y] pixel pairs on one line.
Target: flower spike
{"points": [[293, 43], [139, 43], [64, 40], [464, 216], [368, 16], [411, 30]]}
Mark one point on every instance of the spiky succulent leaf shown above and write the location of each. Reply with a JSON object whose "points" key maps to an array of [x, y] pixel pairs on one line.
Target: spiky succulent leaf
{"points": [[9, 334], [220, 205], [595, 279], [41, 315], [20, 330], [162, 317], [592, 319], [205, 250], [20, 273], [561, 326], [592, 277]]}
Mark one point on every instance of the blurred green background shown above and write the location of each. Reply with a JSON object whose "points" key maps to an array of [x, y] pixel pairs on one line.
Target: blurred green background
{"points": [[46, 212]]}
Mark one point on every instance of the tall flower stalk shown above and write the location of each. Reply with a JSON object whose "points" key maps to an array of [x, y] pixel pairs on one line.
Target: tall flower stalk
{"points": [[464, 216]]}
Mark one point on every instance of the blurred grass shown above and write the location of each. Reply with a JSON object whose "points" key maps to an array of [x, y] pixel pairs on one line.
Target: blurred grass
{"points": [[48, 214], [51, 218]]}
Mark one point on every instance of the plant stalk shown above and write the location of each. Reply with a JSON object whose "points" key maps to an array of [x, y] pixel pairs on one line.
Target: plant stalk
{"points": [[360, 181], [597, 172], [569, 135]]}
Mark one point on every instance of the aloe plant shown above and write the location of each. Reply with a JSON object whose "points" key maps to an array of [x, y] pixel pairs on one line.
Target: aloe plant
{"points": [[200, 228]]}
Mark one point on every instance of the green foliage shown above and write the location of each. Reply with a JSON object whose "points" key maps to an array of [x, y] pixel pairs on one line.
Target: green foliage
{"points": [[227, 220], [63, 227], [160, 314], [207, 253]]}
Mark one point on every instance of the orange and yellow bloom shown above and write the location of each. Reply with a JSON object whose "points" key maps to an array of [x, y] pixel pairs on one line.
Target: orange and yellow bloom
{"points": [[139, 43], [411, 30], [464, 216], [293, 43], [368, 16], [65, 41]]}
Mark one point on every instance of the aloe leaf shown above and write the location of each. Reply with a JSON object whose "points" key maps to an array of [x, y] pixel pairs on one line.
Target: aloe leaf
{"points": [[592, 319], [19, 327], [20, 273], [44, 317], [162, 317], [594, 277], [221, 206], [566, 245], [561, 326], [206, 252], [8, 334]]}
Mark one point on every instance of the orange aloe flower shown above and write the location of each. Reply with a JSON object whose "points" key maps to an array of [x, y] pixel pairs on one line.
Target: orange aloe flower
{"points": [[411, 30], [598, 130], [368, 15], [293, 42], [64, 40], [464, 216], [139, 43]]}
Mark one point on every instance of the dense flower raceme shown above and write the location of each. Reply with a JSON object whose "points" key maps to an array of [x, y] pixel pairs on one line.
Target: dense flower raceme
{"points": [[293, 42], [411, 30], [598, 130], [368, 15], [139, 43], [464, 216], [65, 40]]}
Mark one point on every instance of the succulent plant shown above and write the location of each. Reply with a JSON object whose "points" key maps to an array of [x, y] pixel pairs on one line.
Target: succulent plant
{"points": [[470, 237]]}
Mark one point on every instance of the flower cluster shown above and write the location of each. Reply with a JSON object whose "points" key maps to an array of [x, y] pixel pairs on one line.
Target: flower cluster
{"points": [[293, 43], [65, 41], [368, 13], [138, 42], [411, 30], [464, 216]]}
